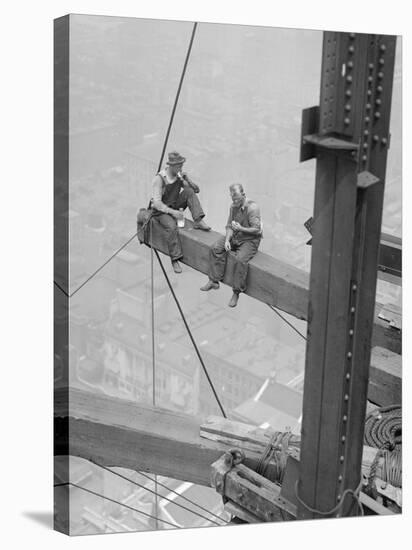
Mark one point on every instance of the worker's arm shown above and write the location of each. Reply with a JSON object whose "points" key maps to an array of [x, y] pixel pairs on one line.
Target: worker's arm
{"points": [[157, 202], [188, 182], [229, 230], [255, 223]]}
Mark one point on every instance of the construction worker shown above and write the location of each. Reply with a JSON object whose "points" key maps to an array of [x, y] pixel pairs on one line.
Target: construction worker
{"points": [[243, 235], [173, 192]]}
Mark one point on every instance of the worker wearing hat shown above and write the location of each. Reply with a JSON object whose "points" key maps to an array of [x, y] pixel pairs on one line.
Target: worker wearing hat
{"points": [[173, 192]]}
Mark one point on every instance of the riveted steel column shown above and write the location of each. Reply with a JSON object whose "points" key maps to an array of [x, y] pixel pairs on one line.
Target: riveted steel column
{"points": [[356, 88]]}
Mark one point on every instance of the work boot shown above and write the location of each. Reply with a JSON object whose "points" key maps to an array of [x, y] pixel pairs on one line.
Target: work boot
{"points": [[210, 285], [234, 299], [200, 224], [176, 266]]}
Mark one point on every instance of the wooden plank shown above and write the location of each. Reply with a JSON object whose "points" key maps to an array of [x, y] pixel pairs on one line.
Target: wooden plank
{"points": [[385, 378], [374, 505], [392, 314], [271, 281], [390, 255], [384, 335]]}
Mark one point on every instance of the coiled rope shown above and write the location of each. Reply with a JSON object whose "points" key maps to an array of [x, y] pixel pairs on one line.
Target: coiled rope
{"points": [[383, 430], [384, 427]]}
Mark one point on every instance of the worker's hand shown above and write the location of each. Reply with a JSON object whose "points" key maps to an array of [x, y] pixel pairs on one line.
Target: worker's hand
{"points": [[183, 176], [236, 226], [227, 245], [177, 214]]}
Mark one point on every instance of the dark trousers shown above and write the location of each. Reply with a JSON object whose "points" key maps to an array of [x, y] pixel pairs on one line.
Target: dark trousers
{"points": [[186, 199], [244, 252]]}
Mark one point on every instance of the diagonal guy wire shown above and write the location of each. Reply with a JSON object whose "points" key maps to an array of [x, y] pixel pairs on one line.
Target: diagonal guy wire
{"points": [[66, 483], [153, 492], [97, 270]]}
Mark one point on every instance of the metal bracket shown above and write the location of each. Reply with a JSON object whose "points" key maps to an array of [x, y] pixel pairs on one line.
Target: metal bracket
{"points": [[309, 226], [247, 494], [330, 142], [366, 179], [311, 139]]}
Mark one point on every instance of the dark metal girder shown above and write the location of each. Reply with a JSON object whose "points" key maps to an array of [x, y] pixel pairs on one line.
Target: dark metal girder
{"points": [[354, 108]]}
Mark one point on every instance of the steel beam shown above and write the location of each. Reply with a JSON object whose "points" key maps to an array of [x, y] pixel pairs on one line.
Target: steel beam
{"points": [[356, 89]]}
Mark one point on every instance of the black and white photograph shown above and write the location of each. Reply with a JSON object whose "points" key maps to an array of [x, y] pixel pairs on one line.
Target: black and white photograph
{"points": [[227, 274], [225, 298]]}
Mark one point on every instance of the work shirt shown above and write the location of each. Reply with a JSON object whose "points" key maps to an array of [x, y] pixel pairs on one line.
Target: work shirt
{"points": [[247, 215], [166, 191]]}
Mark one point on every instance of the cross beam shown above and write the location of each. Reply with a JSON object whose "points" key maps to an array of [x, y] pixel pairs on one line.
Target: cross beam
{"points": [[117, 432], [120, 433], [270, 281]]}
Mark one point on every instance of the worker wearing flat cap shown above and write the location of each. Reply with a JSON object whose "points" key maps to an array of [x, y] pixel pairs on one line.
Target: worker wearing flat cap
{"points": [[243, 236], [173, 192]]}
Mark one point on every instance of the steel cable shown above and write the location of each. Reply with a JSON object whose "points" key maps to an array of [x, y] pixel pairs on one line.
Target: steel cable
{"points": [[116, 502], [287, 322], [184, 498], [151, 491], [190, 335]]}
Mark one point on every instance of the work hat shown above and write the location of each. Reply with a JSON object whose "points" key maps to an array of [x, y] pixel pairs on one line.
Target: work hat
{"points": [[175, 158]]}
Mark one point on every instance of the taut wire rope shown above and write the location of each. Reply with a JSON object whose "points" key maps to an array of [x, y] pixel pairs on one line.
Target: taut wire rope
{"points": [[184, 498], [66, 483], [137, 484], [190, 335], [151, 223]]}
